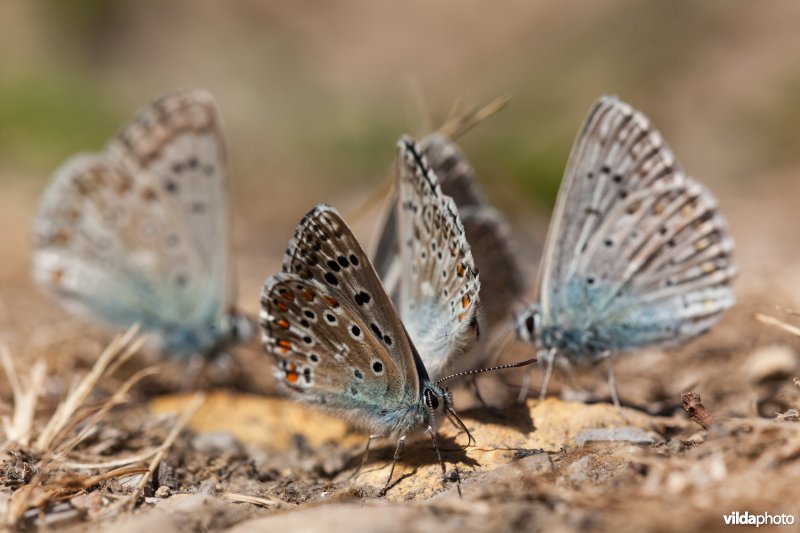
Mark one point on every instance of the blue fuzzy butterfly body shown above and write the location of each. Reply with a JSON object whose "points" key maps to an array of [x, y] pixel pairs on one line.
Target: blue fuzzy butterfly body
{"points": [[591, 324]]}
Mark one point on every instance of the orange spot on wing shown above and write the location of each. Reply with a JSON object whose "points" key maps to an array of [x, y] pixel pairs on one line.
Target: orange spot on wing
{"points": [[282, 307], [308, 295], [288, 296], [283, 323], [284, 345], [331, 301], [462, 316], [460, 270], [465, 301], [292, 376]]}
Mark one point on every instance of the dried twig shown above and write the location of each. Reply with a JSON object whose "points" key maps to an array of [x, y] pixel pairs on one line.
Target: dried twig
{"points": [[697, 412]]}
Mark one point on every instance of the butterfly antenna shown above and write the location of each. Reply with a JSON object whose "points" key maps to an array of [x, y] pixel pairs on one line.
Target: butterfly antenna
{"points": [[500, 345], [491, 369], [435, 442]]}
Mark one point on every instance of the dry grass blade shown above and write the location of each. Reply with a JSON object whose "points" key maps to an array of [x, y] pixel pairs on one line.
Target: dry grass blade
{"points": [[18, 429], [772, 321], [128, 460], [120, 349], [461, 121], [72, 482], [116, 399], [244, 498], [44, 488], [186, 416]]}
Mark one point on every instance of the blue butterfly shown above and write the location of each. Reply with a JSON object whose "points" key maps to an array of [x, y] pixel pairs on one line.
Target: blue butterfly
{"points": [[139, 232], [637, 253], [335, 336]]}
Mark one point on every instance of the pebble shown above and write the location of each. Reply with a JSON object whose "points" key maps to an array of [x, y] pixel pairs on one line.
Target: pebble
{"points": [[624, 434], [776, 361], [217, 442]]}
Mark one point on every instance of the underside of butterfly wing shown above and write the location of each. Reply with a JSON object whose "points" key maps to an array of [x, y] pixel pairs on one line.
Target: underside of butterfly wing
{"points": [[333, 332], [487, 232], [439, 287], [638, 253], [139, 233]]}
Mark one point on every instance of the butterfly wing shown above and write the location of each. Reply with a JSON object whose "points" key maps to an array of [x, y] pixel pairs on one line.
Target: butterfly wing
{"points": [[332, 330], [456, 175], [502, 280], [457, 180], [488, 232], [139, 233], [637, 252], [438, 292]]}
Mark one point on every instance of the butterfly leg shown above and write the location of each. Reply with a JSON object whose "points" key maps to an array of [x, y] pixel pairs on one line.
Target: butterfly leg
{"points": [[366, 455], [196, 366], [400, 443], [548, 375], [612, 381], [432, 433], [477, 391]]}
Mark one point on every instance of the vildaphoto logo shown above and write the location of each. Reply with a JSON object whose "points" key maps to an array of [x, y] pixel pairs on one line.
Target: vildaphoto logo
{"points": [[763, 519]]}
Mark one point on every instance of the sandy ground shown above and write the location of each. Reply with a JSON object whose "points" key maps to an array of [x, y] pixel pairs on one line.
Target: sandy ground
{"points": [[249, 459]]}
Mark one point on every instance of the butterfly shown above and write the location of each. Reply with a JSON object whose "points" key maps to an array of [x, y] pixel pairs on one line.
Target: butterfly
{"points": [[334, 334], [139, 232], [489, 238], [637, 253]]}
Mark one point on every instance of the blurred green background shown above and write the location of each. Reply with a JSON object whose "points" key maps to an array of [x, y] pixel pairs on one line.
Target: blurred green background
{"points": [[314, 94]]}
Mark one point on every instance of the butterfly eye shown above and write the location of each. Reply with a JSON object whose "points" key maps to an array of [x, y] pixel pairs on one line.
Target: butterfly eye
{"points": [[430, 400], [530, 325]]}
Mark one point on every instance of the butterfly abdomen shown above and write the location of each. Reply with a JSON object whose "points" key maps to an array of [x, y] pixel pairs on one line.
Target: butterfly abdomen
{"points": [[589, 321], [188, 341]]}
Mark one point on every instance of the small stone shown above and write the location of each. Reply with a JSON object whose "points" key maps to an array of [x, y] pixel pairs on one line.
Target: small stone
{"points": [[624, 434], [162, 492], [90, 502], [776, 361], [791, 415], [217, 442]]}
